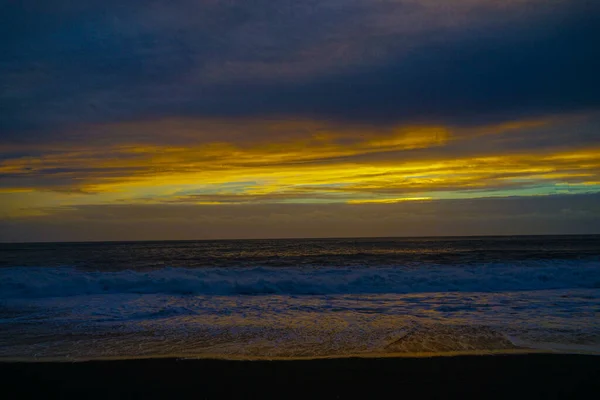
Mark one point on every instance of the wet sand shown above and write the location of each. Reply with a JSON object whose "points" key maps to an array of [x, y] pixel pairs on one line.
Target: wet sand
{"points": [[531, 376]]}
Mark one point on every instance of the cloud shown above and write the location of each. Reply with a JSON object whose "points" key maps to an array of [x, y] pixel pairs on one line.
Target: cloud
{"points": [[575, 214], [261, 106], [378, 62], [526, 68], [310, 162]]}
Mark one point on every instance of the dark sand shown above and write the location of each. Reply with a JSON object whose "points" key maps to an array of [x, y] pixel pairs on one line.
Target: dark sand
{"points": [[534, 376]]}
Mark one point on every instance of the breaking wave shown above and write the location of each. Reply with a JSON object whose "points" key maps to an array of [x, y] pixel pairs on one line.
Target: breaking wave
{"points": [[34, 282]]}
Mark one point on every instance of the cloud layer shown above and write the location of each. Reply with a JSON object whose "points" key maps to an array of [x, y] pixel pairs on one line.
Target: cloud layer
{"points": [[507, 216], [375, 104], [380, 61]]}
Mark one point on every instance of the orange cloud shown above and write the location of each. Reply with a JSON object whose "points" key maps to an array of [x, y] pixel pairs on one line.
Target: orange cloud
{"points": [[312, 162]]}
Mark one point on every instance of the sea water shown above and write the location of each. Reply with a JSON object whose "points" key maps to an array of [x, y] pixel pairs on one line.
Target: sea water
{"points": [[299, 298]]}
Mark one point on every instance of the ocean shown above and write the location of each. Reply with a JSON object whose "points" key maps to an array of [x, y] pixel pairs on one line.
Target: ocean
{"points": [[299, 298]]}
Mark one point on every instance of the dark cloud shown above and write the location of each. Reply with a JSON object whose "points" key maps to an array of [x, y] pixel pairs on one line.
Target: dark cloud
{"points": [[257, 103], [576, 214], [65, 179], [65, 64], [532, 68]]}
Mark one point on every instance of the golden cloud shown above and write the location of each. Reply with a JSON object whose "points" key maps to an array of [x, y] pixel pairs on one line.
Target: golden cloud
{"points": [[311, 162]]}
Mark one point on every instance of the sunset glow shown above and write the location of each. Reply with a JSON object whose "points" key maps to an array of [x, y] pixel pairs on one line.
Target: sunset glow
{"points": [[484, 102]]}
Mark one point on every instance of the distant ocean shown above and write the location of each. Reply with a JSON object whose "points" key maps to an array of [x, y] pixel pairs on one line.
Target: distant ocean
{"points": [[299, 298]]}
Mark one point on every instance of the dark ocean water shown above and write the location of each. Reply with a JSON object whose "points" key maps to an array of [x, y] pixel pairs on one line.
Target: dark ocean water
{"points": [[292, 298], [112, 256]]}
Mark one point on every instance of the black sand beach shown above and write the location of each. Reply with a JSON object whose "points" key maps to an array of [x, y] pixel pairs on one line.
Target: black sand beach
{"points": [[543, 376]]}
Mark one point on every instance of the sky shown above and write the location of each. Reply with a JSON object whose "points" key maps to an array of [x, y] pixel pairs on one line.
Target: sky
{"points": [[222, 119]]}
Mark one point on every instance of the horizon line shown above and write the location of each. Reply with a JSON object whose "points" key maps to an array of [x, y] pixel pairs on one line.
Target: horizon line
{"points": [[305, 238]]}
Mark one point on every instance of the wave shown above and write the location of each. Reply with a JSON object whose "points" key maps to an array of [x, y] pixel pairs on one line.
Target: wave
{"points": [[40, 282]]}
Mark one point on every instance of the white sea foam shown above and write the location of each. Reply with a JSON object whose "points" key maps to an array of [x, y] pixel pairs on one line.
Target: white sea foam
{"points": [[143, 325], [51, 282]]}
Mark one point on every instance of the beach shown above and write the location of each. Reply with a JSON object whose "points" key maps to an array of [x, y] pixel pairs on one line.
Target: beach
{"points": [[531, 376], [499, 317]]}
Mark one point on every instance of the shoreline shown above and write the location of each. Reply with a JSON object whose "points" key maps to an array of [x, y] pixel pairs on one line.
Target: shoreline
{"points": [[226, 357], [533, 375]]}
